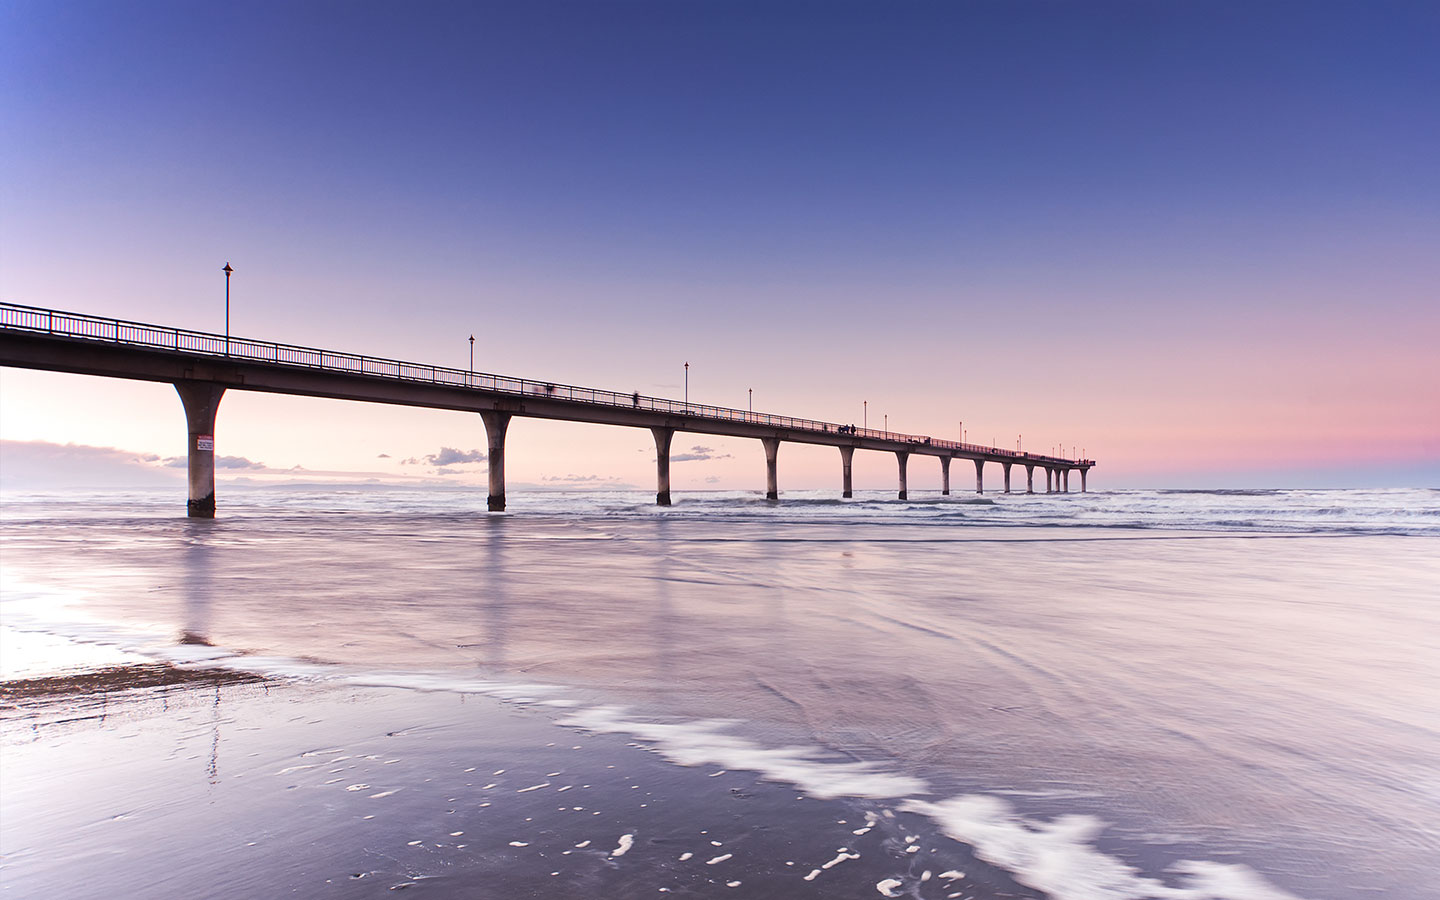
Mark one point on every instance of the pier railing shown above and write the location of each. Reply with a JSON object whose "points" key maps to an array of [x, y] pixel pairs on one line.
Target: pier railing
{"points": [[17, 317]]}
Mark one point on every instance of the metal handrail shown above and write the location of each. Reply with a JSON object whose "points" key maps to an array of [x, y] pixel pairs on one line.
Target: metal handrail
{"points": [[19, 317]]}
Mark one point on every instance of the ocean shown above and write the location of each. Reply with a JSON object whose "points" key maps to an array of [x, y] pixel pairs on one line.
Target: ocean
{"points": [[1119, 694]]}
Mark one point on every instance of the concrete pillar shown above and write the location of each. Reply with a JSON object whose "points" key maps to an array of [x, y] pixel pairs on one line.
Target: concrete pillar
{"points": [[945, 475], [903, 459], [772, 487], [979, 476], [201, 400], [1065, 476], [496, 423], [1029, 479], [1049, 473], [846, 488], [1083, 473], [662, 464], [1005, 467]]}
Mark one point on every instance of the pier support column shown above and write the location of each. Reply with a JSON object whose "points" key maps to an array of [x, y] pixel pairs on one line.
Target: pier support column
{"points": [[1049, 473], [201, 400], [1005, 467], [979, 476], [945, 475], [904, 459], [496, 424], [1065, 478], [772, 486], [1083, 473], [662, 464], [846, 489], [1029, 479]]}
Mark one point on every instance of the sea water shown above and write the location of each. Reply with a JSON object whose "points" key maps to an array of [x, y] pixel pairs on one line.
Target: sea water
{"points": [[1109, 695]]}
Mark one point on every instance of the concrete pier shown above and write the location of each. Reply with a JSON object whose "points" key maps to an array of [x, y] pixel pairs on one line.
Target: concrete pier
{"points": [[201, 372], [201, 400], [772, 484], [1029, 479], [662, 464], [496, 424]]}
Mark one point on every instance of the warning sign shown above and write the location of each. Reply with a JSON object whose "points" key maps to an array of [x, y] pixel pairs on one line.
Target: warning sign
{"points": [[205, 442]]}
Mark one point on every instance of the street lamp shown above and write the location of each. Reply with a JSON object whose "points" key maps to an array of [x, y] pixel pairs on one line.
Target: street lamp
{"points": [[752, 398], [227, 270], [865, 414], [472, 360], [687, 384], [887, 423]]}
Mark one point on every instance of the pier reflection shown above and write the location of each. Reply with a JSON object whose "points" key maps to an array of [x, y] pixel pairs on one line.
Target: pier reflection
{"points": [[664, 620], [494, 597], [198, 589]]}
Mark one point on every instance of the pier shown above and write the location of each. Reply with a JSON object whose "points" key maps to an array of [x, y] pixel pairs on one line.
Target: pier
{"points": [[203, 366]]}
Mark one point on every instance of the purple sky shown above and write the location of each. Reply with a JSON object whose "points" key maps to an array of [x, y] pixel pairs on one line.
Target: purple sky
{"points": [[1197, 240]]}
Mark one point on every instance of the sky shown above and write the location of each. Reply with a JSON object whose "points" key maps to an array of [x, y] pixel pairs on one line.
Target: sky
{"points": [[1195, 240]]}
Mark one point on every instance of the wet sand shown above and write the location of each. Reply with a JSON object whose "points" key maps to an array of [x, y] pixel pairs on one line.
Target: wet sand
{"points": [[216, 785]]}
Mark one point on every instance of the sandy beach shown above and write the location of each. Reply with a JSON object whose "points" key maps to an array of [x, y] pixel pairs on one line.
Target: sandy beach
{"points": [[341, 695], [207, 783]]}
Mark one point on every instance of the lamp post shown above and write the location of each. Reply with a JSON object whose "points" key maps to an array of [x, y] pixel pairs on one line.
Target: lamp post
{"points": [[227, 270], [687, 384], [962, 431], [751, 391], [887, 424], [865, 415], [471, 380]]}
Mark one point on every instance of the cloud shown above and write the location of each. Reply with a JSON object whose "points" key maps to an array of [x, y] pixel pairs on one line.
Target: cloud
{"points": [[698, 454], [221, 462], [383, 456], [448, 456], [42, 465], [573, 481], [713, 479]]}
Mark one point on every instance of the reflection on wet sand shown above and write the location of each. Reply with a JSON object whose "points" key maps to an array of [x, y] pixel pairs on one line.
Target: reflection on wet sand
{"points": [[198, 590]]}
